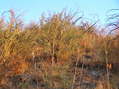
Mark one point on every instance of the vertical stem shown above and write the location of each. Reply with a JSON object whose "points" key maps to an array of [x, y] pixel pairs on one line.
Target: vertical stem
{"points": [[35, 66], [106, 59], [75, 71], [107, 70], [82, 68], [53, 53]]}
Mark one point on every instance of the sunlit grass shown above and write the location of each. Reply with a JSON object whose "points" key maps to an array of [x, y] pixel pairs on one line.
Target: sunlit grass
{"points": [[51, 47]]}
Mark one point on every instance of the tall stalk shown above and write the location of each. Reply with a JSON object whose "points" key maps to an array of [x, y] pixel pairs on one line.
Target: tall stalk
{"points": [[75, 71], [107, 62], [53, 53]]}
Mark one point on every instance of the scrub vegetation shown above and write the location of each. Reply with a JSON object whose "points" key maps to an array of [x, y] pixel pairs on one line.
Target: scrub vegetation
{"points": [[58, 53]]}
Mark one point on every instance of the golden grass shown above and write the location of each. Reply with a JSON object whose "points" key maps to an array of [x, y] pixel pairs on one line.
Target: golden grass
{"points": [[53, 43]]}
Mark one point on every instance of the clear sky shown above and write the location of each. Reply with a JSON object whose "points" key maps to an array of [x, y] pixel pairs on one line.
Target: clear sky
{"points": [[32, 9]]}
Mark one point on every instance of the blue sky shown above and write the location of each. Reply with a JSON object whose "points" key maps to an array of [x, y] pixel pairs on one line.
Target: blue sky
{"points": [[32, 9]]}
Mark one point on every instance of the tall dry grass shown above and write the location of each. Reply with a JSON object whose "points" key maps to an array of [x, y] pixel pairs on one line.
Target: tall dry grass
{"points": [[52, 47]]}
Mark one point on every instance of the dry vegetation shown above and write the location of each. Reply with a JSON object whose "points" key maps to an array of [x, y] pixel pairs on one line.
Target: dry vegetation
{"points": [[57, 54]]}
